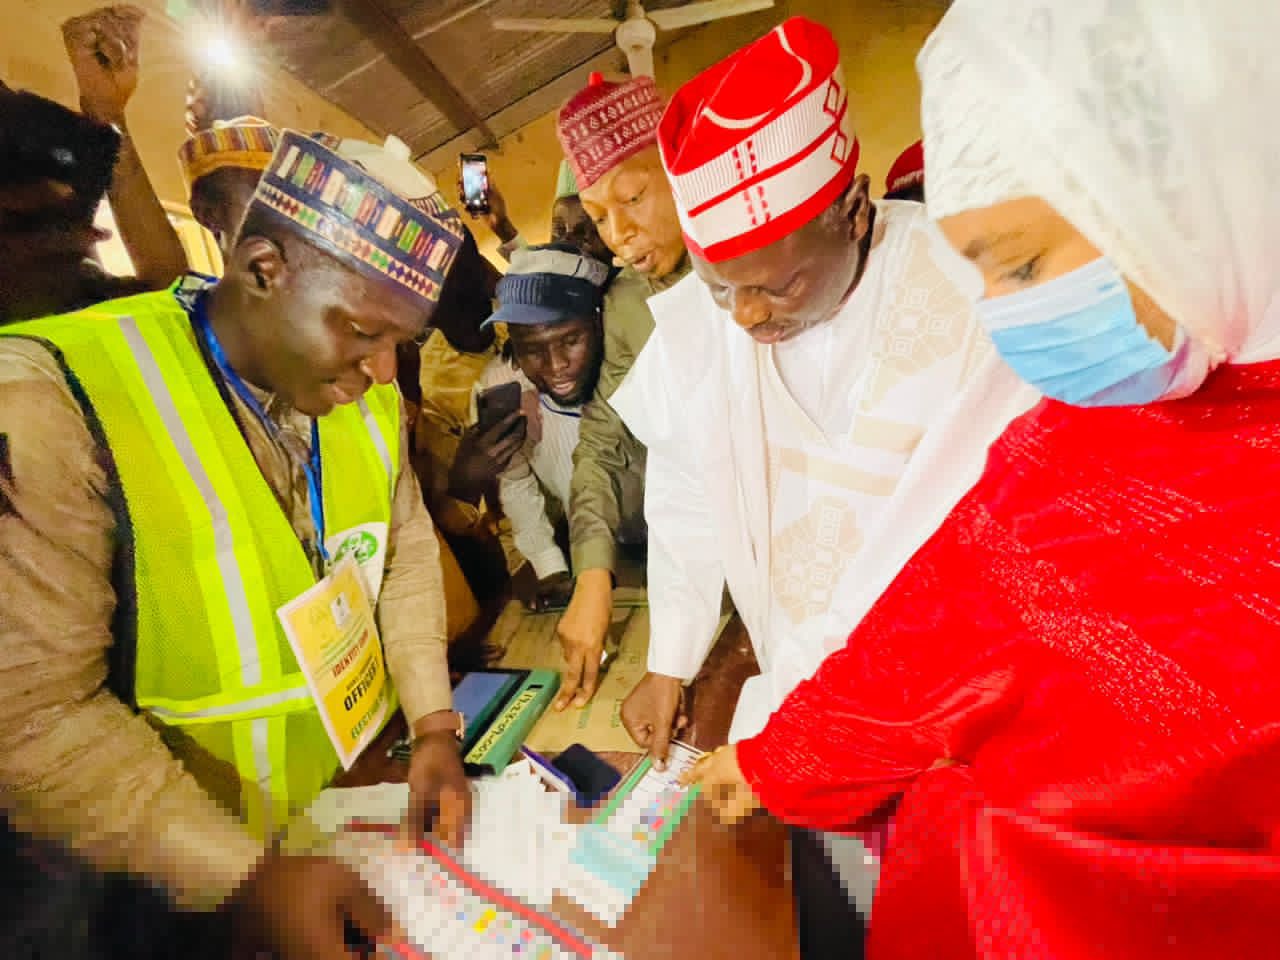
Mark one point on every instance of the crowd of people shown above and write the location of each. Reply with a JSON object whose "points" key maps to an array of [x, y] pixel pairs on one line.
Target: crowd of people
{"points": [[982, 465]]}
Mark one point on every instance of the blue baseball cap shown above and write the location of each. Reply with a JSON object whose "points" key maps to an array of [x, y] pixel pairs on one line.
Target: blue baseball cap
{"points": [[551, 283]]}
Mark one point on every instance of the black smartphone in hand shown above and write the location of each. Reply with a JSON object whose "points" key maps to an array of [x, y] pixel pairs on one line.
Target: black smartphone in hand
{"points": [[497, 403], [475, 182]]}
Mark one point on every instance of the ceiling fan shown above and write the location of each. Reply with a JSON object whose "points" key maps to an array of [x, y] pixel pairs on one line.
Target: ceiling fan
{"points": [[636, 32]]}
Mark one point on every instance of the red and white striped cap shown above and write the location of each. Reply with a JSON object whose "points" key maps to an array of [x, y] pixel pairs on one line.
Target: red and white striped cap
{"points": [[760, 144]]}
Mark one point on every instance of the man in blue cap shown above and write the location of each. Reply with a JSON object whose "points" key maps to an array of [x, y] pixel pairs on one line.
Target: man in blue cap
{"points": [[551, 302]]}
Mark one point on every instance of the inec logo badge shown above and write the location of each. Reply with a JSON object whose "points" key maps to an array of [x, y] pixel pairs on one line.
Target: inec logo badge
{"points": [[362, 545]]}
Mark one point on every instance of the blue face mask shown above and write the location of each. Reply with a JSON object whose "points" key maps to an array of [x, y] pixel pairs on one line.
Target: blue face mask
{"points": [[1076, 339]]}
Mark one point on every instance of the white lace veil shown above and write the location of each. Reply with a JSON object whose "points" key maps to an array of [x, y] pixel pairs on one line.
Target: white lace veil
{"points": [[1152, 125]]}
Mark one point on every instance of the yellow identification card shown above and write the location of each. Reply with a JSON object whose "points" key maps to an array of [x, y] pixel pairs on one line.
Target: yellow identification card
{"points": [[333, 635]]}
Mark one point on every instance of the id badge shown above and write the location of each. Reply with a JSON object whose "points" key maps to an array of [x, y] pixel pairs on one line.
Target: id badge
{"points": [[333, 634], [367, 544]]}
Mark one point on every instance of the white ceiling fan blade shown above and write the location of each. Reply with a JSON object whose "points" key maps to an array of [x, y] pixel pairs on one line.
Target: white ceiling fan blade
{"points": [[583, 25], [692, 14], [639, 61]]}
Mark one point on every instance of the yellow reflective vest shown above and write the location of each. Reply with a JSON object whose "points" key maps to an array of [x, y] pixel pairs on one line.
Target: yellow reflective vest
{"points": [[205, 555]]}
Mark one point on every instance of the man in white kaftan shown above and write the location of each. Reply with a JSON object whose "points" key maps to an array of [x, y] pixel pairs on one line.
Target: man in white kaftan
{"points": [[802, 464]]}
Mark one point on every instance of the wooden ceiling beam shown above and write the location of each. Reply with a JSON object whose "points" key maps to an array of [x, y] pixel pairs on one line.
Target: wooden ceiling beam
{"points": [[402, 51]]}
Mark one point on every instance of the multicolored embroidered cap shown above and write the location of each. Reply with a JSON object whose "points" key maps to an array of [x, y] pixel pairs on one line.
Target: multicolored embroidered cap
{"points": [[245, 143], [341, 207]]}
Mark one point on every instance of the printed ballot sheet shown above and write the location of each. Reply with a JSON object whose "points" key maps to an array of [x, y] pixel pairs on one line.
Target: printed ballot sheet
{"points": [[449, 912], [615, 854], [333, 635]]}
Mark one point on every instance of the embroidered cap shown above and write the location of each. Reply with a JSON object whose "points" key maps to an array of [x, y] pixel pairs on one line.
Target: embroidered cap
{"points": [[566, 183], [344, 209], [245, 143], [549, 284], [907, 171], [761, 143], [391, 162], [606, 123]]}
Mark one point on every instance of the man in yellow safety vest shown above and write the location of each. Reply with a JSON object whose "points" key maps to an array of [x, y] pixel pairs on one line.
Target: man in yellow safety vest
{"points": [[217, 576]]}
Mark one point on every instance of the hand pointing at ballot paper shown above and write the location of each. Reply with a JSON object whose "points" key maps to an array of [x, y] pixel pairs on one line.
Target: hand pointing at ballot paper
{"points": [[723, 785], [653, 713], [437, 782]]}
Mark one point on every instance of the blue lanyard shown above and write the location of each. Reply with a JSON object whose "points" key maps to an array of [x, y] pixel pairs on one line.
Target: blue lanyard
{"points": [[315, 486]]}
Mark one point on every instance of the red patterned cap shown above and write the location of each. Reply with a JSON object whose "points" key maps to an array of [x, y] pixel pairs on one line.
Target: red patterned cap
{"points": [[760, 144], [907, 171], [605, 123]]}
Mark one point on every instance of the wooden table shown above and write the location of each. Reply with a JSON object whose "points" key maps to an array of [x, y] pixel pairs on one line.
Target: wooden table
{"points": [[718, 893]]}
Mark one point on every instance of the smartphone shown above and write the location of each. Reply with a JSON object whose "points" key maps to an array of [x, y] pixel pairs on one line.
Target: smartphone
{"points": [[475, 182], [591, 777], [497, 403]]}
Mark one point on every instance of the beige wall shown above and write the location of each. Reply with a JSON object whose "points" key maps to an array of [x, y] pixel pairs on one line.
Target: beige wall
{"points": [[878, 40], [32, 57]]}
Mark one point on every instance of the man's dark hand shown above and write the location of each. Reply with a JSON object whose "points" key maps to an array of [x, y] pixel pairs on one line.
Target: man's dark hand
{"points": [[538, 595], [582, 630], [483, 453], [497, 219], [653, 713], [438, 786], [297, 908], [103, 48]]}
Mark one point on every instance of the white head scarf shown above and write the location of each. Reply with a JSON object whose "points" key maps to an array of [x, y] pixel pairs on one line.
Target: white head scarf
{"points": [[1149, 124]]}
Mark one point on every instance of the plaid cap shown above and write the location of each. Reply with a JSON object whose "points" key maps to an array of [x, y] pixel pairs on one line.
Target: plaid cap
{"points": [[549, 284], [343, 208]]}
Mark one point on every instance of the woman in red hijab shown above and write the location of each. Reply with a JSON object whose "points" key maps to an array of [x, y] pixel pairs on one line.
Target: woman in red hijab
{"points": [[1068, 702]]}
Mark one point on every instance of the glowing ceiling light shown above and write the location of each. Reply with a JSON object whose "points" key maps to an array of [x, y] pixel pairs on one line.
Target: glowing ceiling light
{"points": [[221, 51]]}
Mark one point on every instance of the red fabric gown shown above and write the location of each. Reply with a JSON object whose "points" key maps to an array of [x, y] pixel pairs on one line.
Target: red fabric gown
{"points": [[1093, 640]]}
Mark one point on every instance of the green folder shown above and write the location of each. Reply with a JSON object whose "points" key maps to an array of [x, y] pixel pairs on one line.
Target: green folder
{"points": [[506, 733]]}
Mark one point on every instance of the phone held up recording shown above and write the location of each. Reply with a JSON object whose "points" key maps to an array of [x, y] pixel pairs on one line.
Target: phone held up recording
{"points": [[474, 169]]}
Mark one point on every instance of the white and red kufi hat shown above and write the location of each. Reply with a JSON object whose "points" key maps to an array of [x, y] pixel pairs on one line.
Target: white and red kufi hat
{"points": [[760, 144], [907, 171], [606, 123]]}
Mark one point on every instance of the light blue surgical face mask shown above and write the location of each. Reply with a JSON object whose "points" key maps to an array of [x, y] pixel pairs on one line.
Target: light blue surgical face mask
{"points": [[1076, 339]]}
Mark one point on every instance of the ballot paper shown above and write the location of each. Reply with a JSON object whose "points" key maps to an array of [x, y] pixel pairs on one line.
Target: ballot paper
{"points": [[519, 839], [448, 913], [615, 854], [334, 808]]}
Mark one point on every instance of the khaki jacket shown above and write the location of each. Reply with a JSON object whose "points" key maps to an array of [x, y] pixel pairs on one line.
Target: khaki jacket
{"points": [[76, 763], [608, 463]]}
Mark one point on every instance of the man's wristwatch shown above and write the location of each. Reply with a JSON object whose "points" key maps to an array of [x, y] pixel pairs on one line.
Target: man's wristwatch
{"points": [[441, 721]]}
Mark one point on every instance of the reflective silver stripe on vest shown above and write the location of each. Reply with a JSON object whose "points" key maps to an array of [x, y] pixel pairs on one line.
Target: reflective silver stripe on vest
{"points": [[260, 733], [237, 598], [230, 709], [379, 442]]}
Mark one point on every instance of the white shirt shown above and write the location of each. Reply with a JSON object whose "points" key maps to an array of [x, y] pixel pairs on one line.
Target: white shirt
{"points": [[792, 472], [542, 466]]}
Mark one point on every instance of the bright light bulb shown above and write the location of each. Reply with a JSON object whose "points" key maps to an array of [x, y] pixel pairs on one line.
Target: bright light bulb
{"points": [[221, 52]]}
